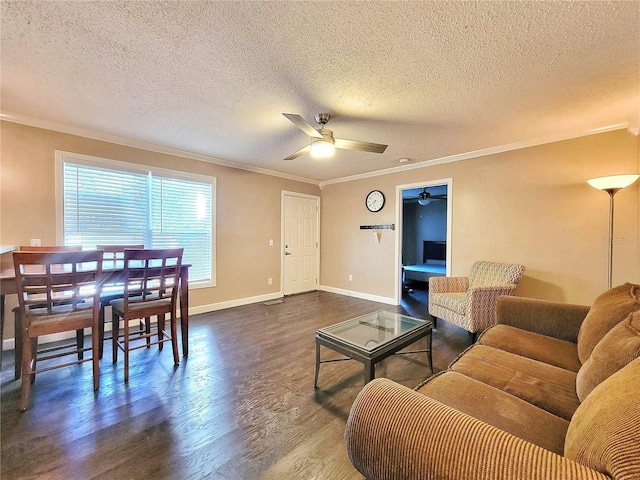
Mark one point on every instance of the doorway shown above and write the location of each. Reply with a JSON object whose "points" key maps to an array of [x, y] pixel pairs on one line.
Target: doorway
{"points": [[423, 237], [300, 242]]}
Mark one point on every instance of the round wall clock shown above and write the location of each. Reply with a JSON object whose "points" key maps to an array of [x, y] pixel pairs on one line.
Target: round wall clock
{"points": [[375, 200]]}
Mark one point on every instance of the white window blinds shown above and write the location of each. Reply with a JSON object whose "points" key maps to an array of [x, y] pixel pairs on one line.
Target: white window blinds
{"points": [[160, 209]]}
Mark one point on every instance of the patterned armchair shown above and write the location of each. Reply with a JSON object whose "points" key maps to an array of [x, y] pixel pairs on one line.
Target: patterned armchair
{"points": [[470, 302]]}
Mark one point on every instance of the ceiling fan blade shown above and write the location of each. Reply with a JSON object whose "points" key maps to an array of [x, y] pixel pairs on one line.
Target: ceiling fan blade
{"points": [[362, 146], [302, 124], [302, 151]]}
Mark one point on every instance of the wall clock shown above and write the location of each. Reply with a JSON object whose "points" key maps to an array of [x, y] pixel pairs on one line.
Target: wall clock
{"points": [[374, 200]]}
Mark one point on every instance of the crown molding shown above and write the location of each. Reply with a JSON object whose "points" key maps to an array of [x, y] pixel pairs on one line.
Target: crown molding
{"points": [[634, 121], [477, 153], [128, 142]]}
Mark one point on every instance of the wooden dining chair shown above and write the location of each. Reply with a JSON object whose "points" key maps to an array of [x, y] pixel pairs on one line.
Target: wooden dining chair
{"points": [[113, 256], [151, 287], [16, 311], [57, 292]]}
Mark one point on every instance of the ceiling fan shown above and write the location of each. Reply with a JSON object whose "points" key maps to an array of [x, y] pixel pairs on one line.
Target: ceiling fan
{"points": [[323, 143], [424, 197]]}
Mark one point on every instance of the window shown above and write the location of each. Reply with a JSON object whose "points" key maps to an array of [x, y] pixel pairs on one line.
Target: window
{"points": [[109, 202]]}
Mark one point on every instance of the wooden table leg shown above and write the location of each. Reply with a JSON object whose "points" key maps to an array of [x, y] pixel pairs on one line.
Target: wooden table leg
{"points": [[17, 325], [184, 310], [1, 327], [430, 346]]}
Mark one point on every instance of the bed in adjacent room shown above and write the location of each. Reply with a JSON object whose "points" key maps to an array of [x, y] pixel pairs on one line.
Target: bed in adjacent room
{"points": [[434, 262]]}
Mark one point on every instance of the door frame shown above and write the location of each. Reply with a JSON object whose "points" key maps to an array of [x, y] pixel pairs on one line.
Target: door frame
{"points": [[286, 193], [399, 227]]}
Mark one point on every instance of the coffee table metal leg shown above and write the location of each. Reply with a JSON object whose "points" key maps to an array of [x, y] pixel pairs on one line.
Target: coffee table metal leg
{"points": [[429, 344], [315, 381], [369, 371]]}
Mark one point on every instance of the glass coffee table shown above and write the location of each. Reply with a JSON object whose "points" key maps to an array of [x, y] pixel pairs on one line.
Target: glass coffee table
{"points": [[371, 338]]}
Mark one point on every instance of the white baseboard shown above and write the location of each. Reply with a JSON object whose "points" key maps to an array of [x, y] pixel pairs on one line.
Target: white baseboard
{"points": [[9, 344], [364, 296], [212, 307]]}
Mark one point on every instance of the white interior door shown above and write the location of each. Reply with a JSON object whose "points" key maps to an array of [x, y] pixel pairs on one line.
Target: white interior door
{"points": [[301, 243]]}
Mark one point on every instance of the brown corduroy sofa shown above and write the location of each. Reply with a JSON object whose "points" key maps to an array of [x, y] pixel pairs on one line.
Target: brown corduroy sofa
{"points": [[551, 392]]}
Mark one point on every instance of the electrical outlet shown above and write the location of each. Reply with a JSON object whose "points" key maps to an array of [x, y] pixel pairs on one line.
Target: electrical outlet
{"points": [[36, 242], [350, 278], [270, 281], [271, 242]]}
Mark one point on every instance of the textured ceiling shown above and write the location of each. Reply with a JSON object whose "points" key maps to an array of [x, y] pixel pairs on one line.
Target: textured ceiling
{"points": [[430, 79]]}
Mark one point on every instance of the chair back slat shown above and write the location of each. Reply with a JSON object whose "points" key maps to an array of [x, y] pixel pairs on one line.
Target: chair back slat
{"points": [[114, 257], [57, 282], [116, 252], [151, 274]]}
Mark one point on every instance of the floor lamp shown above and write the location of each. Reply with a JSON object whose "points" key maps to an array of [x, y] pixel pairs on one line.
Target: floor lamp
{"points": [[611, 185]]}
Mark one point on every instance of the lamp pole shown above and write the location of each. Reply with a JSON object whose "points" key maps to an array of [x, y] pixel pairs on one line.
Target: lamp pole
{"points": [[611, 192]]}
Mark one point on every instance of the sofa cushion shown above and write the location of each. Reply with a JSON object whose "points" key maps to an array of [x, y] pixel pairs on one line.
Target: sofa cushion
{"points": [[609, 309], [604, 434], [498, 408], [546, 386], [546, 349], [618, 347]]}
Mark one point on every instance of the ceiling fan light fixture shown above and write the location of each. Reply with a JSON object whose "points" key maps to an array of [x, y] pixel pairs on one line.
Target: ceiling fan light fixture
{"points": [[323, 144], [424, 198], [322, 148]]}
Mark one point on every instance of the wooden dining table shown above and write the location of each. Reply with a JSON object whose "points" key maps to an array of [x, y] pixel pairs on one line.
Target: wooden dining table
{"points": [[112, 272]]}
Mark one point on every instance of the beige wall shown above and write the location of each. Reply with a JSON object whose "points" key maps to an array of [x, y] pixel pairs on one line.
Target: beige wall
{"points": [[247, 209], [530, 206]]}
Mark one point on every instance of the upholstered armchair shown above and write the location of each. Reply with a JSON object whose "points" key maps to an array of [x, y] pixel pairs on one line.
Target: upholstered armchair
{"points": [[470, 302]]}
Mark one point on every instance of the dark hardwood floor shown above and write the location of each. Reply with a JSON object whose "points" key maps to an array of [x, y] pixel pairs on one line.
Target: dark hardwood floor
{"points": [[242, 406]]}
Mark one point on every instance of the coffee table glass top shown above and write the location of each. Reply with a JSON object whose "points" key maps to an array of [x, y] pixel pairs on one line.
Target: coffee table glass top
{"points": [[373, 330]]}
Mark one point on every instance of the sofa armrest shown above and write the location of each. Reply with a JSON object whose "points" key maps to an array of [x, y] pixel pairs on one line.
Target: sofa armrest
{"points": [[394, 433], [448, 284], [554, 319]]}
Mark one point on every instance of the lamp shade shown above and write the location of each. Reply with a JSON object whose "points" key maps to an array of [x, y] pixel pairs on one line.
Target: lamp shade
{"points": [[612, 182], [322, 148]]}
